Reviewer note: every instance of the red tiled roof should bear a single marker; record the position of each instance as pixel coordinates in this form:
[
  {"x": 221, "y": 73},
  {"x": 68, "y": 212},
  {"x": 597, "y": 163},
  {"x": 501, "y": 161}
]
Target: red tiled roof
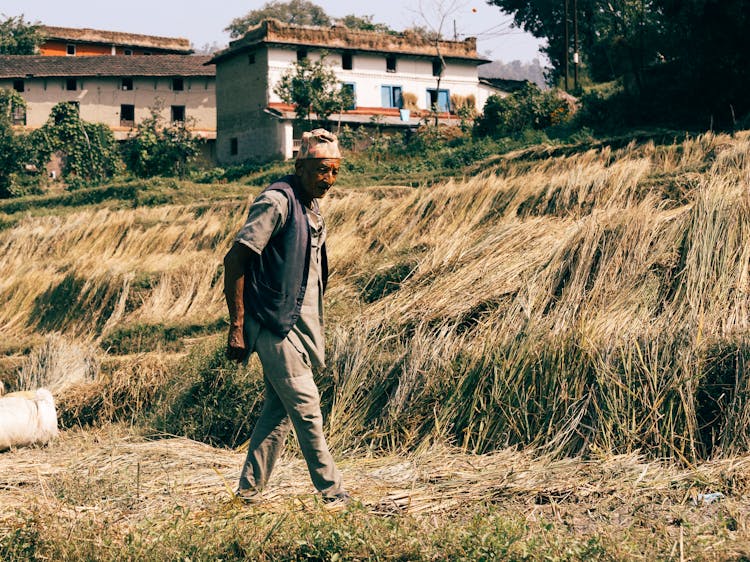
[{"x": 28, "y": 66}]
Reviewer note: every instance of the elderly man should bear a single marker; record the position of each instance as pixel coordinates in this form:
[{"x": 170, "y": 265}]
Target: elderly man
[{"x": 274, "y": 278}]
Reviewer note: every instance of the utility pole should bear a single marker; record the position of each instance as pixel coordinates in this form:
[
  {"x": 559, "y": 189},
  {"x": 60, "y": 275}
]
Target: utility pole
[
  {"x": 566, "y": 52},
  {"x": 575, "y": 44}
]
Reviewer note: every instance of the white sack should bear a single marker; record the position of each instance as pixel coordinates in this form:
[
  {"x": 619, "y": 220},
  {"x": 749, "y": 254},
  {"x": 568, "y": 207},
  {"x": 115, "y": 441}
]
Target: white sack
[{"x": 27, "y": 418}]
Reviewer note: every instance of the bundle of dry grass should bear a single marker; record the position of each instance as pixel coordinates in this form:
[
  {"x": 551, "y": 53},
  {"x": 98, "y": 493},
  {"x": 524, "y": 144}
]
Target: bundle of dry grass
[
  {"x": 123, "y": 393},
  {"x": 57, "y": 364}
]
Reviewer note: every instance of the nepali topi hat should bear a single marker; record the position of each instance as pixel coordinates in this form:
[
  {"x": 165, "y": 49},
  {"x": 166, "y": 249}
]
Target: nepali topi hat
[{"x": 318, "y": 143}]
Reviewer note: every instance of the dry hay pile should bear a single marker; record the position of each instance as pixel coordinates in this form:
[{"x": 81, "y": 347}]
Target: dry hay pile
[{"x": 125, "y": 479}]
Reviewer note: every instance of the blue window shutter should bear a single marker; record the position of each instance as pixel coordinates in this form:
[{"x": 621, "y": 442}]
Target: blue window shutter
[
  {"x": 444, "y": 100},
  {"x": 385, "y": 96}
]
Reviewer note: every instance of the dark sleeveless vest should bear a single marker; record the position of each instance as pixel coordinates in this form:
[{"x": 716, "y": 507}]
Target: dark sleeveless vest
[{"x": 275, "y": 283}]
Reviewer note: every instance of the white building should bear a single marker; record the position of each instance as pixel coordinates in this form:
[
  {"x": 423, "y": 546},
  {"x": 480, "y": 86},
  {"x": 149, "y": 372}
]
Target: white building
[{"x": 379, "y": 68}]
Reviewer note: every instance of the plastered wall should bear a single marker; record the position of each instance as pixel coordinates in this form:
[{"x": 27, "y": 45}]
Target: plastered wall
[{"x": 100, "y": 100}]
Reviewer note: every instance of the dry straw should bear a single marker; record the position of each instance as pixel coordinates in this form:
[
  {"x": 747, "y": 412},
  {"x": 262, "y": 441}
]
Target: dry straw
[{"x": 592, "y": 301}]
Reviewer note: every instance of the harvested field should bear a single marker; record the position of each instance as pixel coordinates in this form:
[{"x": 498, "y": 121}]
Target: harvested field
[
  {"x": 544, "y": 361},
  {"x": 117, "y": 480}
]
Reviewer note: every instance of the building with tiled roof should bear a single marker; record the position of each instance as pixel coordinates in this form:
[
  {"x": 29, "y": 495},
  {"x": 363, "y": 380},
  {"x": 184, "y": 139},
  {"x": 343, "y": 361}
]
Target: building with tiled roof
[
  {"x": 116, "y": 91},
  {"x": 378, "y": 68},
  {"x": 67, "y": 41}
]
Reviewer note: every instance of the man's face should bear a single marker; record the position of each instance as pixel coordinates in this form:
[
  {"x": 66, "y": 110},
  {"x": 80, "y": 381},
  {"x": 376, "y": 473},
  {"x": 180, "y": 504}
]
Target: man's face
[{"x": 317, "y": 175}]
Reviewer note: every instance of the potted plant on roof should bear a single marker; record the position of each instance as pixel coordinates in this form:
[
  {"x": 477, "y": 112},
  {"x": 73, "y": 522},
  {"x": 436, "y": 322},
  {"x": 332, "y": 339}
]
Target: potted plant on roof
[{"x": 408, "y": 104}]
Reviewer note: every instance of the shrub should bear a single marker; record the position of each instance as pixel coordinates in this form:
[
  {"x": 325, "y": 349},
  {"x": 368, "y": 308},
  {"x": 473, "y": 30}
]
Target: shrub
[
  {"x": 88, "y": 150},
  {"x": 604, "y": 110},
  {"x": 160, "y": 149},
  {"x": 15, "y": 150},
  {"x": 528, "y": 108},
  {"x": 469, "y": 153}
]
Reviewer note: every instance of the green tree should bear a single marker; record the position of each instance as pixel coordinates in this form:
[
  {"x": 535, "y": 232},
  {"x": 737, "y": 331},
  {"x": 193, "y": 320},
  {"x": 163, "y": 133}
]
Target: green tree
[
  {"x": 158, "y": 148},
  {"x": 313, "y": 88},
  {"x": 364, "y": 23},
  {"x": 298, "y": 12},
  {"x": 18, "y": 37},
  {"x": 681, "y": 62},
  {"x": 706, "y": 50},
  {"x": 89, "y": 150},
  {"x": 616, "y": 37}
]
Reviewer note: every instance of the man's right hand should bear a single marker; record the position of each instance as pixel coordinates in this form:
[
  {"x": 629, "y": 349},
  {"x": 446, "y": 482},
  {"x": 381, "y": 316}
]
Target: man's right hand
[{"x": 236, "y": 349}]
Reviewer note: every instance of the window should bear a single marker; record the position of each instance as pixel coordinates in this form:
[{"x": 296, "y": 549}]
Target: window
[
  {"x": 233, "y": 146},
  {"x": 346, "y": 61},
  {"x": 437, "y": 67},
  {"x": 19, "y": 115},
  {"x": 178, "y": 84},
  {"x": 301, "y": 54},
  {"x": 71, "y": 84},
  {"x": 18, "y": 86},
  {"x": 147, "y": 53},
  {"x": 127, "y": 115},
  {"x": 127, "y": 84},
  {"x": 350, "y": 88},
  {"x": 71, "y": 50},
  {"x": 391, "y": 96},
  {"x": 128, "y": 52},
  {"x": 390, "y": 63},
  {"x": 439, "y": 98},
  {"x": 178, "y": 113},
  {"x": 251, "y": 58}
]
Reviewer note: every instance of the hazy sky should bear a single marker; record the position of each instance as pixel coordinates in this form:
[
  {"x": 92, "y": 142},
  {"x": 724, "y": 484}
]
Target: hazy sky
[{"x": 204, "y": 21}]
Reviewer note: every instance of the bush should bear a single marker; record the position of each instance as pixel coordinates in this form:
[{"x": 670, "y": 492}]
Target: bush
[
  {"x": 15, "y": 150},
  {"x": 160, "y": 149},
  {"x": 527, "y": 109},
  {"x": 606, "y": 110},
  {"x": 469, "y": 153},
  {"x": 88, "y": 150}
]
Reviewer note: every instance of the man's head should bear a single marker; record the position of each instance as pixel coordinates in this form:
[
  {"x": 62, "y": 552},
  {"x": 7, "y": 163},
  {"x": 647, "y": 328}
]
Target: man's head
[{"x": 318, "y": 162}]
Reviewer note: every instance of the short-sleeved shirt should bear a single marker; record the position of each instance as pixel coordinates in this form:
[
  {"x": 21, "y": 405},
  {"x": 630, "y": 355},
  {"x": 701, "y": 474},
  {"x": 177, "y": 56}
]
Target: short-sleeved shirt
[{"x": 266, "y": 217}]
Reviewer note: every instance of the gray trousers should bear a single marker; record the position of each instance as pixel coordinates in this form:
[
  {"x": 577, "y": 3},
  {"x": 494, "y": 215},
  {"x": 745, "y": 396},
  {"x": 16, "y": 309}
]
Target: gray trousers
[{"x": 291, "y": 400}]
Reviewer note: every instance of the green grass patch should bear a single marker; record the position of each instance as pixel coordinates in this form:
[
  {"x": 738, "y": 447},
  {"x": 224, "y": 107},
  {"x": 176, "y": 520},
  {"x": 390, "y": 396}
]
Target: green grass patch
[
  {"x": 141, "y": 338},
  {"x": 475, "y": 532},
  {"x": 210, "y": 398}
]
